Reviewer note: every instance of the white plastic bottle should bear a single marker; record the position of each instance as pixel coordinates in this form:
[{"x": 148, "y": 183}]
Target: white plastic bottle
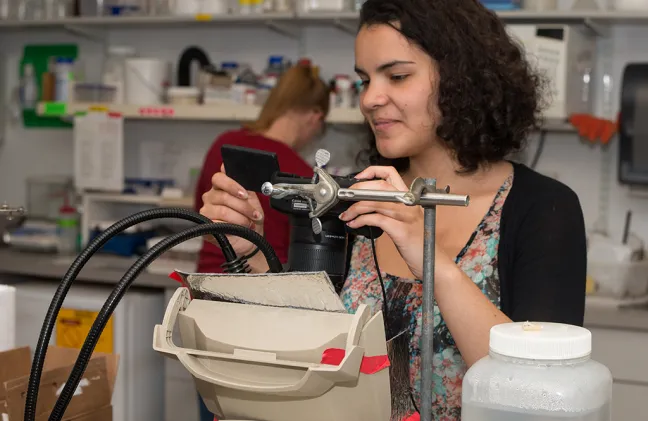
[
  {"x": 537, "y": 372},
  {"x": 64, "y": 77},
  {"x": 28, "y": 88},
  {"x": 68, "y": 230}
]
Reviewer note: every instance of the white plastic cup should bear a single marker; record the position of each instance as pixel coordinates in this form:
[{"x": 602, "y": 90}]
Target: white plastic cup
[{"x": 145, "y": 80}]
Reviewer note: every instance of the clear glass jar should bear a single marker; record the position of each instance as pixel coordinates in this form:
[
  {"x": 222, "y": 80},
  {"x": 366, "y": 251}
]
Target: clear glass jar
[
  {"x": 537, "y": 372},
  {"x": 114, "y": 72},
  {"x": 58, "y": 9},
  {"x": 27, "y": 10},
  {"x": 5, "y": 9}
]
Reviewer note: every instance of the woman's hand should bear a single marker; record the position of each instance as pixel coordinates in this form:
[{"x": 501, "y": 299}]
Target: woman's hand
[
  {"x": 403, "y": 224},
  {"x": 228, "y": 202}
]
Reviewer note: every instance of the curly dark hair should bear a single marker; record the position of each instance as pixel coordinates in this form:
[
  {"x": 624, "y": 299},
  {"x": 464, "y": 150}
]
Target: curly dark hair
[{"x": 489, "y": 97}]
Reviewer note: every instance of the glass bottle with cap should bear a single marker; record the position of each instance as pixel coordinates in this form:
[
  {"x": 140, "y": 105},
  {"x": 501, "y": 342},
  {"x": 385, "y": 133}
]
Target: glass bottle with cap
[{"x": 537, "y": 372}]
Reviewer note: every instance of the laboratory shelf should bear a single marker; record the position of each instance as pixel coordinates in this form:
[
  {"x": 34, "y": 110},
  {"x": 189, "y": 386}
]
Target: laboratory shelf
[
  {"x": 571, "y": 17},
  {"x": 284, "y": 21},
  {"x": 224, "y": 113},
  {"x": 149, "y": 21},
  {"x": 104, "y": 206},
  {"x": 229, "y": 112},
  {"x": 138, "y": 199}
]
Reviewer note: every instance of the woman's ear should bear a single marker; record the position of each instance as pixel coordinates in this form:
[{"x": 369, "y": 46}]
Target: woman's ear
[{"x": 317, "y": 116}]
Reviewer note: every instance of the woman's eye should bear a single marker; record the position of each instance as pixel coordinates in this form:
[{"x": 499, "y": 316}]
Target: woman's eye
[{"x": 398, "y": 78}]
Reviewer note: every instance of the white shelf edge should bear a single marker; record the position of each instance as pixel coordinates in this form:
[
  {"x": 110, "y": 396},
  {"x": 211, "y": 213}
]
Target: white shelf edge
[
  {"x": 233, "y": 112},
  {"x": 137, "y": 199},
  {"x": 558, "y": 16},
  {"x": 229, "y": 112},
  {"x": 121, "y": 21}
]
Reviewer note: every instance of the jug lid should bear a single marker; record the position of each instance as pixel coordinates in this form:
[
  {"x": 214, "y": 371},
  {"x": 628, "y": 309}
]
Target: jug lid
[{"x": 540, "y": 341}]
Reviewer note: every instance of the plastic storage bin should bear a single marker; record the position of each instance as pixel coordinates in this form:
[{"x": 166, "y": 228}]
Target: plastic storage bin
[
  {"x": 94, "y": 93},
  {"x": 619, "y": 279},
  {"x": 537, "y": 372}
]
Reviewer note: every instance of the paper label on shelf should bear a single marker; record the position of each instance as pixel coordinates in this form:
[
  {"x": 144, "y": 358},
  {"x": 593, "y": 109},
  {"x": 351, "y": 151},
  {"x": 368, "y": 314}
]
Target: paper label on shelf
[
  {"x": 157, "y": 111},
  {"x": 72, "y": 327},
  {"x": 99, "y": 152},
  {"x": 54, "y": 109}
]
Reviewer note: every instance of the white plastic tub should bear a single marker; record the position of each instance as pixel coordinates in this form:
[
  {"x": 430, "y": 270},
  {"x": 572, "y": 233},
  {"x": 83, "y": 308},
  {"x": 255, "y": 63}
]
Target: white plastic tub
[{"x": 619, "y": 280}]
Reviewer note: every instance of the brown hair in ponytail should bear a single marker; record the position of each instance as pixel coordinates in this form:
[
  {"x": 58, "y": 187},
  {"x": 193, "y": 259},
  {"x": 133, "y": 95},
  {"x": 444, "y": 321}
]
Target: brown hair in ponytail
[{"x": 298, "y": 89}]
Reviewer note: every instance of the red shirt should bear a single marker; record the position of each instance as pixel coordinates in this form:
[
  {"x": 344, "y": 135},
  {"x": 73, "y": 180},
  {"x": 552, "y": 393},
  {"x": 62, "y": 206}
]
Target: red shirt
[{"x": 276, "y": 225}]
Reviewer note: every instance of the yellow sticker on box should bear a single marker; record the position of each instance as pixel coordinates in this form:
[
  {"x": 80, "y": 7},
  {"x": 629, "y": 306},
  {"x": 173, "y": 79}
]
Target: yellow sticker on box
[{"x": 72, "y": 327}]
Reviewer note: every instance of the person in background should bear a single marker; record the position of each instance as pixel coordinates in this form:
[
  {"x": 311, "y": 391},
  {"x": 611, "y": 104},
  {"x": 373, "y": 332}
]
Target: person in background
[
  {"x": 449, "y": 95},
  {"x": 291, "y": 118}
]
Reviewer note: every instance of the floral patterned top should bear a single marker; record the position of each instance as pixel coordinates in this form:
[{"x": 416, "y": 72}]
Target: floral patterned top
[{"x": 478, "y": 260}]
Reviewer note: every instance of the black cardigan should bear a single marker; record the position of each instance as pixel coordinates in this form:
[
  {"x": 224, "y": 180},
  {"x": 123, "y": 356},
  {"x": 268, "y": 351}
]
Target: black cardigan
[
  {"x": 542, "y": 251},
  {"x": 542, "y": 256}
]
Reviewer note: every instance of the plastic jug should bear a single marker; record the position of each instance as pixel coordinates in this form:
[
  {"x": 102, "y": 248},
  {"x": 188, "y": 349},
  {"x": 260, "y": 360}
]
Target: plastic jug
[{"x": 537, "y": 372}]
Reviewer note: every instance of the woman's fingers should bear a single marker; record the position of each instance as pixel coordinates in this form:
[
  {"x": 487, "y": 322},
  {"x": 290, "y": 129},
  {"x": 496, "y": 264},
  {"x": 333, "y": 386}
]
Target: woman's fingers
[
  {"x": 391, "y": 210},
  {"x": 374, "y": 185},
  {"x": 216, "y": 199},
  {"x": 220, "y": 181},
  {"x": 387, "y": 224},
  {"x": 388, "y": 174},
  {"x": 225, "y": 214}
]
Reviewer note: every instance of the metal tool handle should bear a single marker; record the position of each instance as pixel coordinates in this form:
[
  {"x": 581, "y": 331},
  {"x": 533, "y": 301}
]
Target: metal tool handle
[
  {"x": 425, "y": 200},
  {"x": 10, "y": 212}
]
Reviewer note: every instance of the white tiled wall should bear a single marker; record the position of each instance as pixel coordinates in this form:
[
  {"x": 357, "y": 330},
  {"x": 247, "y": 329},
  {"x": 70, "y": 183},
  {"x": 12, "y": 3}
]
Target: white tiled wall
[{"x": 32, "y": 152}]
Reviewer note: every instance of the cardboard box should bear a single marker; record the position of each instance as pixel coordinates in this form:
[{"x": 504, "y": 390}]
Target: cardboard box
[{"x": 92, "y": 399}]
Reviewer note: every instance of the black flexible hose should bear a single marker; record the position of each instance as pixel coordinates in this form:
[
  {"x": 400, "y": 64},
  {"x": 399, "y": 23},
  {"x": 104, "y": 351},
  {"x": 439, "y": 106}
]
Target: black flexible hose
[
  {"x": 73, "y": 271},
  {"x": 115, "y": 297}
]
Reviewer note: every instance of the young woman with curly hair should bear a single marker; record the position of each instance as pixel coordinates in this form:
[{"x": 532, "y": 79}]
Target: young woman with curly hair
[{"x": 449, "y": 95}]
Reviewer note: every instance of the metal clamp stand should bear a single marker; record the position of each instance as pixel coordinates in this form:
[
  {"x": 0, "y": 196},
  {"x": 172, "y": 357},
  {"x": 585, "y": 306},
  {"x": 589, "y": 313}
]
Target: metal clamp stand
[
  {"x": 10, "y": 212},
  {"x": 326, "y": 193}
]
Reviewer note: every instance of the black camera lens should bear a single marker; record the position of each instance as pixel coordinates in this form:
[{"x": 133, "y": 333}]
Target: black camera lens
[{"x": 310, "y": 252}]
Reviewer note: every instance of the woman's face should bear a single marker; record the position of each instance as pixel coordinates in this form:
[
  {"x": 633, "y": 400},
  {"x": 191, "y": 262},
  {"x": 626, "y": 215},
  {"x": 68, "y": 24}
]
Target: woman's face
[{"x": 399, "y": 97}]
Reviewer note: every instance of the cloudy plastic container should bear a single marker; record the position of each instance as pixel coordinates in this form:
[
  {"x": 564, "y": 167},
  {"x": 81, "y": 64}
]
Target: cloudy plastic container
[{"x": 537, "y": 372}]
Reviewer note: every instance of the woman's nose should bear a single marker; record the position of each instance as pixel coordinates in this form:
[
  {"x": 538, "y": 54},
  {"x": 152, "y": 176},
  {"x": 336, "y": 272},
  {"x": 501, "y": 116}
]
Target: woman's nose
[{"x": 373, "y": 96}]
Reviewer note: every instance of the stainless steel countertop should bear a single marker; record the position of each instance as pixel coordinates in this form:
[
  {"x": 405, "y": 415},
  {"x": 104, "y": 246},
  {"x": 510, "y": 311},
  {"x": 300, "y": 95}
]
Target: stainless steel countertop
[
  {"x": 109, "y": 270},
  {"x": 103, "y": 269}
]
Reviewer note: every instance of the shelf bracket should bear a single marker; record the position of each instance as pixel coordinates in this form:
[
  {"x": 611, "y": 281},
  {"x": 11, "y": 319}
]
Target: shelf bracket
[
  {"x": 283, "y": 29},
  {"x": 86, "y": 34},
  {"x": 596, "y": 28},
  {"x": 349, "y": 28}
]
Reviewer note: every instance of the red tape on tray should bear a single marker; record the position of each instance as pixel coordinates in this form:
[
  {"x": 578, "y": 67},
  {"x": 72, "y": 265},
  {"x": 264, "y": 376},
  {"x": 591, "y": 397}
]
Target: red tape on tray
[
  {"x": 176, "y": 277},
  {"x": 369, "y": 365}
]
